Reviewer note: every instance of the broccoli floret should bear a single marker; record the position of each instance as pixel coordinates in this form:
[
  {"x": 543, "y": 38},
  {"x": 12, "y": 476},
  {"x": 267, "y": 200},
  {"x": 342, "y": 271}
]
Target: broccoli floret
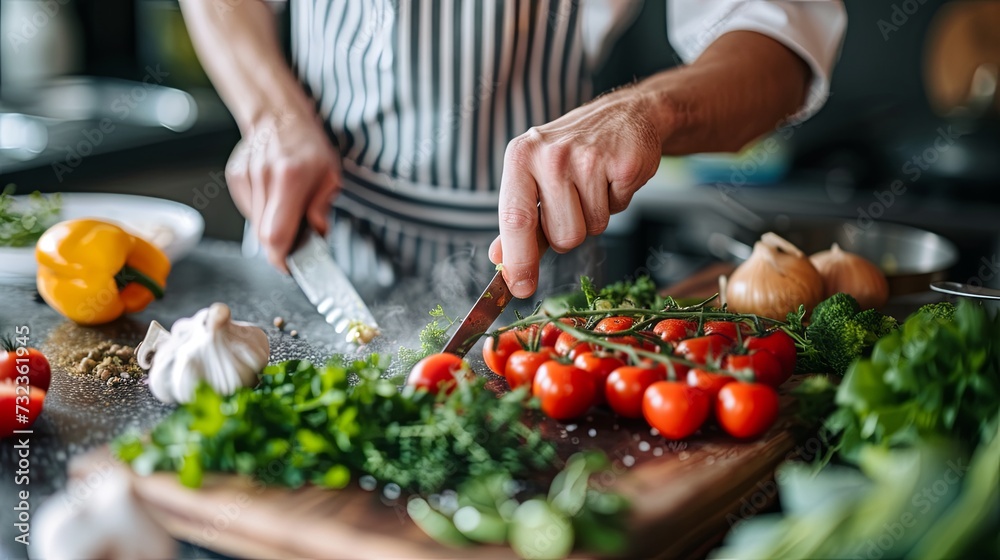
[
  {"x": 837, "y": 344},
  {"x": 941, "y": 310},
  {"x": 876, "y": 324},
  {"x": 836, "y": 308}
]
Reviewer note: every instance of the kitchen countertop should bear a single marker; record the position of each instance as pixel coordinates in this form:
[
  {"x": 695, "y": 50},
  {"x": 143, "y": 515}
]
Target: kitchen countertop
[{"x": 81, "y": 413}]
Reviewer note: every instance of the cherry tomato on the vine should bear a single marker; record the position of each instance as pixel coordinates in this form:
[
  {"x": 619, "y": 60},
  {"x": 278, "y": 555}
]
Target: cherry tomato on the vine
[
  {"x": 599, "y": 366},
  {"x": 568, "y": 345},
  {"x": 727, "y": 328},
  {"x": 704, "y": 349},
  {"x": 564, "y": 390},
  {"x": 496, "y": 350},
  {"x": 625, "y": 386},
  {"x": 550, "y": 332},
  {"x": 675, "y": 330},
  {"x": 709, "y": 382},
  {"x": 746, "y": 410},
  {"x": 523, "y": 364},
  {"x": 676, "y": 409},
  {"x": 765, "y": 367},
  {"x": 780, "y": 345},
  {"x": 438, "y": 372}
]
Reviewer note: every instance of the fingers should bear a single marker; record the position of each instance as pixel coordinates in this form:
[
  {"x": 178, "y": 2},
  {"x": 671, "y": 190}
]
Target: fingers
[
  {"x": 238, "y": 179},
  {"x": 318, "y": 210},
  {"x": 518, "y": 210},
  {"x": 289, "y": 196},
  {"x": 496, "y": 253},
  {"x": 562, "y": 214}
]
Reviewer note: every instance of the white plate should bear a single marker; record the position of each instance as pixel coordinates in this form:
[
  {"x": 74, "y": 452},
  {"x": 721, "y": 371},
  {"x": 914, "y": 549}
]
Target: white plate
[{"x": 169, "y": 225}]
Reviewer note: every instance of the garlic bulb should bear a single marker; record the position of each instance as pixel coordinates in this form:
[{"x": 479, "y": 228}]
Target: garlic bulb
[
  {"x": 852, "y": 274},
  {"x": 775, "y": 280},
  {"x": 98, "y": 516},
  {"x": 208, "y": 346}
]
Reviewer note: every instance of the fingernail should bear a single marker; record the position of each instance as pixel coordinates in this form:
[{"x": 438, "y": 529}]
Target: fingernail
[{"x": 522, "y": 287}]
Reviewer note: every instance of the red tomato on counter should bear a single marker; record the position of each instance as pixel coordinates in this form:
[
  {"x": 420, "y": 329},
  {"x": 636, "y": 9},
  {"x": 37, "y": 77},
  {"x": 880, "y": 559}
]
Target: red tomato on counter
[
  {"x": 599, "y": 366},
  {"x": 676, "y": 409},
  {"x": 746, "y": 410},
  {"x": 710, "y": 383},
  {"x": 550, "y": 332},
  {"x": 765, "y": 367},
  {"x": 726, "y": 328},
  {"x": 675, "y": 330},
  {"x": 438, "y": 372},
  {"x": 625, "y": 386},
  {"x": 704, "y": 349},
  {"x": 564, "y": 390},
  {"x": 779, "y": 344},
  {"x": 523, "y": 365},
  {"x": 570, "y": 346},
  {"x": 31, "y": 363},
  {"x": 497, "y": 350},
  {"x": 12, "y": 396}
]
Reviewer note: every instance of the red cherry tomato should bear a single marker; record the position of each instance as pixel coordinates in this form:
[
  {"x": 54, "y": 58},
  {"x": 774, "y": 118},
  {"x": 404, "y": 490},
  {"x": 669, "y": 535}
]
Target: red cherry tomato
[
  {"x": 523, "y": 364},
  {"x": 614, "y": 324},
  {"x": 746, "y": 410},
  {"x": 727, "y": 328},
  {"x": 625, "y": 386},
  {"x": 550, "y": 332},
  {"x": 31, "y": 363},
  {"x": 599, "y": 366},
  {"x": 765, "y": 367},
  {"x": 12, "y": 396},
  {"x": 563, "y": 389},
  {"x": 677, "y": 410},
  {"x": 497, "y": 350},
  {"x": 675, "y": 330},
  {"x": 710, "y": 383},
  {"x": 704, "y": 349},
  {"x": 437, "y": 372},
  {"x": 568, "y": 345},
  {"x": 780, "y": 345}
]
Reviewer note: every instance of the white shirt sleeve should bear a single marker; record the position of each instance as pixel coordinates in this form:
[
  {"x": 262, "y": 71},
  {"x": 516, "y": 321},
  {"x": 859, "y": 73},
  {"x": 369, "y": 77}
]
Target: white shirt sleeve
[{"x": 812, "y": 29}]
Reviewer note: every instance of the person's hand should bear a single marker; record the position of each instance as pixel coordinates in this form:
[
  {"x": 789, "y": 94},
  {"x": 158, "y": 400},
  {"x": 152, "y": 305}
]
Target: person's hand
[
  {"x": 567, "y": 177},
  {"x": 284, "y": 168}
]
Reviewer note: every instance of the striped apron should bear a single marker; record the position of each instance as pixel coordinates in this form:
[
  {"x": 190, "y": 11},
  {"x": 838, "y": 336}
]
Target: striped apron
[{"x": 421, "y": 98}]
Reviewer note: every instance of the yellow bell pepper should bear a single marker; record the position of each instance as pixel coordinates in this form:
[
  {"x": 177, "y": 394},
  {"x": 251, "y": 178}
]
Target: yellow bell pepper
[{"x": 92, "y": 272}]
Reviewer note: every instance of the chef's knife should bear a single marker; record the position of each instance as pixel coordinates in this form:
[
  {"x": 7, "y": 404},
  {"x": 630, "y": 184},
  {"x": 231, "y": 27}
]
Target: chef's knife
[
  {"x": 327, "y": 287},
  {"x": 488, "y": 307}
]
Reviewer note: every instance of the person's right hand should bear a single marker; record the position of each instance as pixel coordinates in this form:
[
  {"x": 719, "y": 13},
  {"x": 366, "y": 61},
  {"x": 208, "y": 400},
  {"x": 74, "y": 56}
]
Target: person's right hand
[{"x": 284, "y": 168}]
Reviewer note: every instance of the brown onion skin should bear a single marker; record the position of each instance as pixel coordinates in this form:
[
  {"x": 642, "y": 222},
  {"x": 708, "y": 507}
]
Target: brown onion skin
[
  {"x": 852, "y": 274},
  {"x": 772, "y": 283}
]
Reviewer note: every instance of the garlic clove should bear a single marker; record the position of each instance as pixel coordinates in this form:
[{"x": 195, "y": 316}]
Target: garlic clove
[
  {"x": 207, "y": 346},
  {"x": 774, "y": 281},
  {"x": 98, "y": 516},
  {"x": 843, "y": 271}
]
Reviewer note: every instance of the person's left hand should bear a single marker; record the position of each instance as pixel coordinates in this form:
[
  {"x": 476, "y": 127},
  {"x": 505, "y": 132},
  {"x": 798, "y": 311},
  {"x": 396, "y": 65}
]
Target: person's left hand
[{"x": 569, "y": 176}]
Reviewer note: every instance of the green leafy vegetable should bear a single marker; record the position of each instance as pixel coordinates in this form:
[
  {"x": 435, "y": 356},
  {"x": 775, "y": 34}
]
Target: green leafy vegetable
[
  {"x": 934, "y": 377},
  {"x": 22, "y": 223},
  {"x": 307, "y": 424}
]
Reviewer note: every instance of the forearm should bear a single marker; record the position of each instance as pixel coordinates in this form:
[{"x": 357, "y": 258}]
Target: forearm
[
  {"x": 239, "y": 50},
  {"x": 743, "y": 85}
]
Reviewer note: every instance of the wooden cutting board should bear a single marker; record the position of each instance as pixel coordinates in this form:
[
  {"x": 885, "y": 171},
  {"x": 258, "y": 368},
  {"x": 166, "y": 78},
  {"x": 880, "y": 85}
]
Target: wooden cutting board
[{"x": 684, "y": 496}]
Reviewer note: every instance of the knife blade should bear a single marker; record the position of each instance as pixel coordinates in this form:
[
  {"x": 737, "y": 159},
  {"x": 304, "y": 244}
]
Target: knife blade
[
  {"x": 328, "y": 288},
  {"x": 481, "y": 317}
]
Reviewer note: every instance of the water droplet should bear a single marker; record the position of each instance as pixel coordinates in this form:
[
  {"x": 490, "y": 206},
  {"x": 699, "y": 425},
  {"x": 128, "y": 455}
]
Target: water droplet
[
  {"x": 654, "y": 432},
  {"x": 570, "y": 427},
  {"x": 574, "y": 440},
  {"x": 368, "y": 482},
  {"x": 628, "y": 460},
  {"x": 635, "y": 437},
  {"x": 658, "y": 452},
  {"x": 592, "y": 432},
  {"x": 643, "y": 446},
  {"x": 391, "y": 491}
]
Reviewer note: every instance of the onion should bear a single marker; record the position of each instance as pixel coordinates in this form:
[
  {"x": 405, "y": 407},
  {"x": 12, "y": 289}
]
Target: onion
[
  {"x": 774, "y": 281},
  {"x": 852, "y": 274}
]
